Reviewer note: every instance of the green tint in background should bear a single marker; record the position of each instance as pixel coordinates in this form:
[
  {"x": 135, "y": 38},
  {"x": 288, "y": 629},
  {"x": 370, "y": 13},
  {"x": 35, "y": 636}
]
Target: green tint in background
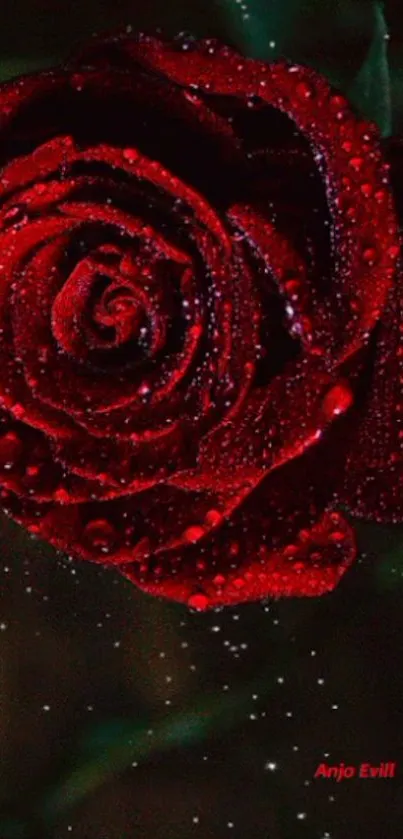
[{"x": 123, "y": 717}]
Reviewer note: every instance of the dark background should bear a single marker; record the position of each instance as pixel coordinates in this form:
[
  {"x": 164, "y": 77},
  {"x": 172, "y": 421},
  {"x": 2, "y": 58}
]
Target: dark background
[{"x": 123, "y": 717}]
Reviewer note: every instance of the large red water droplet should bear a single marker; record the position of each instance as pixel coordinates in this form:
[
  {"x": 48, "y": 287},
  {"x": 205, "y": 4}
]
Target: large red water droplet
[
  {"x": 10, "y": 449},
  {"x": 238, "y": 583},
  {"x": 198, "y": 601},
  {"x": 131, "y": 155},
  {"x": 193, "y": 534},
  {"x": 100, "y": 534},
  {"x": 213, "y": 518},
  {"x": 304, "y": 90},
  {"x": 337, "y": 401}
]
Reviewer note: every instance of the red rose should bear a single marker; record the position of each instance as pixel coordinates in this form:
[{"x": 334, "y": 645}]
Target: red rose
[{"x": 199, "y": 337}]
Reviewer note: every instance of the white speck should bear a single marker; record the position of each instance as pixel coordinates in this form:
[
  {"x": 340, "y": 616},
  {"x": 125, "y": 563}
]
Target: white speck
[{"x": 271, "y": 765}]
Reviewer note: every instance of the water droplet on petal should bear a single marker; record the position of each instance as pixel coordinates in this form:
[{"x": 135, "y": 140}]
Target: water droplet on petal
[
  {"x": 213, "y": 518},
  {"x": 193, "y": 534},
  {"x": 100, "y": 534},
  {"x": 198, "y": 601},
  {"x": 32, "y": 471},
  {"x": 293, "y": 288},
  {"x": 18, "y": 410},
  {"x": 290, "y": 551},
  {"x": 356, "y": 163},
  {"x": 304, "y": 90},
  {"x": 337, "y": 102},
  {"x": 10, "y": 449},
  {"x": 347, "y": 146},
  {"x": 62, "y": 496},
  {"x": 131, "y": 155},
  {"x": 337, "y": 401},
  {"x": 238, "y": 582},
  {"x": 337, "y": 536},
  {"x": 369, "y": 255},
  {"x": 367, "y": 190}
]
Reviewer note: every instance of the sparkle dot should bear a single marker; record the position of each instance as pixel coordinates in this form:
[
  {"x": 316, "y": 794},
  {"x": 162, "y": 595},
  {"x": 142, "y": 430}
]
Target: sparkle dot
[{"x": 271, "y": 765}]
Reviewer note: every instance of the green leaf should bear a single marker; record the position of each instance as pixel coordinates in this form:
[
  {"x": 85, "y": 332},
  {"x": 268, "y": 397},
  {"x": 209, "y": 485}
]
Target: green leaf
[
  {"x": 10, "y": 829},
  {"x": 370, "y": 91},
  {"x": 12, "y": 67},
  {"x": 260, "y": 28}
]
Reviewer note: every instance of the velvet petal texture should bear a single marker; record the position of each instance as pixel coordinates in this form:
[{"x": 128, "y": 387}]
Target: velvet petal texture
[{"x": 200, "y": 319}]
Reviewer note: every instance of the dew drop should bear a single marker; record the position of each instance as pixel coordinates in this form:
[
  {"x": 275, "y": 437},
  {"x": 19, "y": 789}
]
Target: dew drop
[
  {"x": 238, "y": 583},
  {"x": 356, "y": 163},
  {"x": 293, "y": 288},
  {"x": 32, "y": 471},
  {"x": 198, "y": 601},
  {"x": 337, "y": 401},
  {"x": 18, "y": 410},
  {"x": 337, "y": 536},
  {"x": 337, "y": 102},
  {"x": 304, "y": 90},
  {"x": 100, "y": 533},
  {"x": 369, "y": 255},
  {"x": 62, "y": 496},
  {"x": 10, "y": 449},
  {"x": 213, "y": 518},
  {"x": 193, "y": 534},
  {"x": 290, "y": 551},
  {"x": 131, "y": 155},
  {"x": 366, "y": 190},
  {"x": 144, "y": 389}
]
